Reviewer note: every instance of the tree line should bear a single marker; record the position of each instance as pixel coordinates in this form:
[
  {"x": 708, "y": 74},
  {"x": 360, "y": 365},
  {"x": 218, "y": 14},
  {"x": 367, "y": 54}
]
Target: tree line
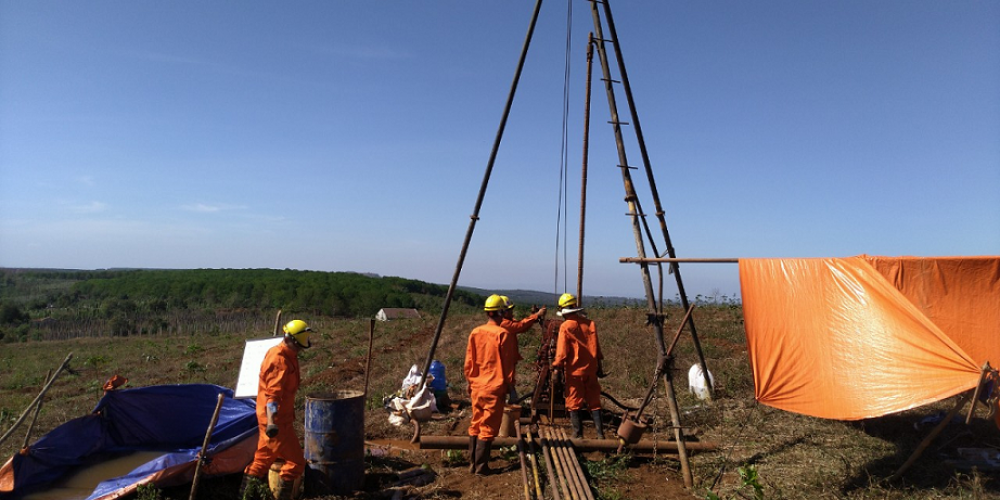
[{"x": 131, "y": 301}]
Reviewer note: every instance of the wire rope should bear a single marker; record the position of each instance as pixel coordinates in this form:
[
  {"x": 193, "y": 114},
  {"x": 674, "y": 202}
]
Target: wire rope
[{"x": 562, "y": 212}]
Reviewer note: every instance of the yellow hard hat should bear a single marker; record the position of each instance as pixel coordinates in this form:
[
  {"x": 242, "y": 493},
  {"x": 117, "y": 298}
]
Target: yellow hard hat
[
  {"x": 567, "y": 300},
  {"x": 299, "y": 330},
  {"x": 506, "y": 300},
  {"x": 495, "y": 303}
]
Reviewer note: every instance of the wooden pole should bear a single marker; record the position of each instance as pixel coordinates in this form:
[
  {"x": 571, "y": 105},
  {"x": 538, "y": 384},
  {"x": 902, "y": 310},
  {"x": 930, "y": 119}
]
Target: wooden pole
[
  {"x": 37, "y": 399},
  {"x": 38, "y": 409},
  {"x": 930, "y": 437},
  {"x": 979, "y": 388},
  {"x": 647, "y": 260},
  {"x": 277, "y": 324},
  {"x": 204, "y": 446},
  {"x": 368, "y": 364}
]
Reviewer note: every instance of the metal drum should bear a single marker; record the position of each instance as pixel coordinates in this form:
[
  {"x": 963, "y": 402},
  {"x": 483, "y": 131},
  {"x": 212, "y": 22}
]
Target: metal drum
[{"x": 335, "y": 442}]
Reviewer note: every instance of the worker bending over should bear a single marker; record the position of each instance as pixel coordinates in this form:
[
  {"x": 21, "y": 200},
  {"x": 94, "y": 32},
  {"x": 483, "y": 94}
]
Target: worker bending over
[
  {"x": 578, "y": 354},
  {"x": 488, "y": 383},
  {"x": 513, "y": 354},
  {"x": 276, "y": 388}
]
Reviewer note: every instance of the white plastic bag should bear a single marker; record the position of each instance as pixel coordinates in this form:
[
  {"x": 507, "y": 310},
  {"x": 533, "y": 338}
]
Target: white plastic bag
[{"x": 696, "y": 382}]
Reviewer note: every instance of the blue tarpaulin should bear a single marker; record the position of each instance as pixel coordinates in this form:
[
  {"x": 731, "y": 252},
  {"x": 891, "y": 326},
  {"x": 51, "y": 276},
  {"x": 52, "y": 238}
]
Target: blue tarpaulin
[{"x": 171, "y": 419}]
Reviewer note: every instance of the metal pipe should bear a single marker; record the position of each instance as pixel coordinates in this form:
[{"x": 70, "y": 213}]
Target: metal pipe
[
  {"x": 567, "y": 467},
  {"x": 556, "y": 461},
  {"x": 524, "y": 463},
  {"x": 534, "y": 464},
  {"x": 577, "y": 468},
  {"x": 549, "y": 465},
  {"x": 482, "y": 193},
  {"x": 584, "y": 445}
]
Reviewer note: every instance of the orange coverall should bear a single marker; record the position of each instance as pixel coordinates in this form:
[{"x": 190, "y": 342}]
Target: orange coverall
[
  {"x": 578, "y": 352},
  {"x": 488, "y": 380},
  {"x": 279, "y": 381},
  {"x": 512, "y": 354}
]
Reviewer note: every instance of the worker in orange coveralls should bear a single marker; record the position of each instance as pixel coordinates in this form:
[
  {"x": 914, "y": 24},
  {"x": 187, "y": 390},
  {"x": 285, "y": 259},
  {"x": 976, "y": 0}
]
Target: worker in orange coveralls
[
  {"x": 513, "y": 353},
  {"x": 578, "y": 353},
  {"x": 279, "y": 381},
  {"x": 488, "y": 383}
]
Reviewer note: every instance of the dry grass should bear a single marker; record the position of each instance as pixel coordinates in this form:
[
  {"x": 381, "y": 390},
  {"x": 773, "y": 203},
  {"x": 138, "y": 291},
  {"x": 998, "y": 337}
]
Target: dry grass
[{"x": 795, "y": 456}]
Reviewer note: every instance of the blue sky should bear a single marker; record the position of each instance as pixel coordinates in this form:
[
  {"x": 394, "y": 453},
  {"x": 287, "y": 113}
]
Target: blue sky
[{"x": 353, "y": 136}]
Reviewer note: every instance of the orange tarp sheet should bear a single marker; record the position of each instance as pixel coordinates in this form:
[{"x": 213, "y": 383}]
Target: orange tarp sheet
[{"x": 860, "y": 337}]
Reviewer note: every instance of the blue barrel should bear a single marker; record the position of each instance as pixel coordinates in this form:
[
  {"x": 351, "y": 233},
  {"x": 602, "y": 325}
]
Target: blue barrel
[
  {"x": 437, "y": 371},
  {"x": 335, "y": 443}
]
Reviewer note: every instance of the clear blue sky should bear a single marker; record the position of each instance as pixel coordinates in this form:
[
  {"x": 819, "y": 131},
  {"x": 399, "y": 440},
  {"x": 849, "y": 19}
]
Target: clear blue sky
[{"x": 353, "y": 136}]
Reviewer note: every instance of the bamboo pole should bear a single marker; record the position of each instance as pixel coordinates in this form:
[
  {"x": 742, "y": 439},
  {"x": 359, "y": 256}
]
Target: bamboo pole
[
  {"x": 37, "y": 399},
  {"x": 277, "y": 324},
  {"x": 204, "y": 446}
]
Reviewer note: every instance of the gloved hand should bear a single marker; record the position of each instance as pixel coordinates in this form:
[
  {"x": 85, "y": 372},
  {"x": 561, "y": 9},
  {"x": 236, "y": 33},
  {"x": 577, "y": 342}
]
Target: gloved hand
[
  {"x": 271, "y": 431},
  {"x": 541, "y": 313}
]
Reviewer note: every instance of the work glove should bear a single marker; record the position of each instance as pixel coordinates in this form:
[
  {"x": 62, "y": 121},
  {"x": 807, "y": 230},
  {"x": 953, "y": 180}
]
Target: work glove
[{"x": 271, "y": 431}]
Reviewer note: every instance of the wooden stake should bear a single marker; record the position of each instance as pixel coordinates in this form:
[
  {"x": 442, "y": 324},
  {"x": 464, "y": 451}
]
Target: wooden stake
[
  {"x": 930, "y": 437},
  {"x": 204, "y": 446},
  {"x": 37, "y": 399}
]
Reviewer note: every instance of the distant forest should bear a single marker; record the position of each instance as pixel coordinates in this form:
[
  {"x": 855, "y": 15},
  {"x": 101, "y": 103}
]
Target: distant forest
[{"x": 41, "y": 303}]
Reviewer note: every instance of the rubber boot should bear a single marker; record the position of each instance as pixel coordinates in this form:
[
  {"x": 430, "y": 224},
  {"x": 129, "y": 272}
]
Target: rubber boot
[
  {"x": 482, "y": 460},
  {"x": 574, "y": 418},
  {"x": 285, "y": 490},
  {"x": 251, "y": 487},
  {"x": 472, "y": 453},
  {"x": 598, "y": 423}
]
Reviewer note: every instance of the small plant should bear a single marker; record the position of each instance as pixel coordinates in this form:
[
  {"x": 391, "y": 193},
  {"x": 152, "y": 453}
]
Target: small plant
[
  {"x": 748, "y": 479},
  {"x": 95, "y": 361},
  {"x": 194, "y": 366},
  {"x": 193, "y": 349},
  {"x": 455, "y": 458},
  {"x": 148, "y": 492}
]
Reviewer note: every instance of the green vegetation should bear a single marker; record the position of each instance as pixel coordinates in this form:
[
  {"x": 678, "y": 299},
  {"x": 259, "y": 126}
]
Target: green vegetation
[{"x": 61, "y": 304}]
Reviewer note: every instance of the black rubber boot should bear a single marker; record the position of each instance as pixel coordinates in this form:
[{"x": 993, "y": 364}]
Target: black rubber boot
[
  {"x": 285, "y": 490},
  {"x": 598, "y": 423},
  {"x": 252, "y": 487},
  {"x": 574, "y": 418},
  {"x": 482, "y": 460},
  {"x": 472, "y": 453}
]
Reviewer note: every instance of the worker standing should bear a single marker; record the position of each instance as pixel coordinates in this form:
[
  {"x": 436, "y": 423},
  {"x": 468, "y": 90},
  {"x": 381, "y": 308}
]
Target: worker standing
[
  {"x": 488, "y": 383},
  {"x": 578, "y": 353},
  {"x": 278, "y": 383},
  {"x": 513, "y": 353}
]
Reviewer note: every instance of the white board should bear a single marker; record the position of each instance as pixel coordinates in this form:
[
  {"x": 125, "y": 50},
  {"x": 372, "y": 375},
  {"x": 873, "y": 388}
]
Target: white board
[{"x": 253, "y": 356}]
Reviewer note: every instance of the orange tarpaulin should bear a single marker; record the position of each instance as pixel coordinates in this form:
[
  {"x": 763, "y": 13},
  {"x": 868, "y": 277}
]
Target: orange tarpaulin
[{"x": 861, "y": 337}]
